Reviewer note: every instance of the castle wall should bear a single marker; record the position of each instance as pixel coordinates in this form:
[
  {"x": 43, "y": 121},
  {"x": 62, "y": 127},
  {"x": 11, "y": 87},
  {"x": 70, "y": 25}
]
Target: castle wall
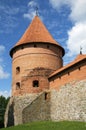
[
  {"x": 73, "y": 73},
  {"x": 27, "y": 108},
  {"x": 38, "y": 110},
  {"x": 69, "y": 103},
  {"x": 9, "y": 114},
  {"x": 20, "y": 103}
]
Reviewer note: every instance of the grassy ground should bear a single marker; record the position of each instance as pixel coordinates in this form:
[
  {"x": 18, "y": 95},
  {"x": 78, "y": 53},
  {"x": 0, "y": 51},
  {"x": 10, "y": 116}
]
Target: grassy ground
[{"x": 48, "y": 125}]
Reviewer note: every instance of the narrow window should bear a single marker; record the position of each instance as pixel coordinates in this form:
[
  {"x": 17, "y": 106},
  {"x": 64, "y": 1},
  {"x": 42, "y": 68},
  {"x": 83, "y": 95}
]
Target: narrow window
[
  {"x": 35, "y": 46},
  {"x": 79, "y": 68},
  {"x": 18, "y": 85},
  {"x": 22, "y": 47},
  {"x": 46, "y": 96},
  {"x": 35, "y": 83},
  {"x": 59, "y": 77},
  {"x": 68, "y": 73},
  {"x": 17, "y": 70},
  {"x": 48, "y": 46}
]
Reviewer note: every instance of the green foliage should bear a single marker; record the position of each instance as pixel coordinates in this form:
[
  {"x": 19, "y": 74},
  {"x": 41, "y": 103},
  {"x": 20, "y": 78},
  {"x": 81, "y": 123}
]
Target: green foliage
[
  {"x": 3, "y": 104},
  {"x": 48, "y": 125}
]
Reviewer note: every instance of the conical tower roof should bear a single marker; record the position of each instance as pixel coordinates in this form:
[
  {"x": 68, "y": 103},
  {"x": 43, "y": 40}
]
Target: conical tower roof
[{"x": 36, "y": 32}]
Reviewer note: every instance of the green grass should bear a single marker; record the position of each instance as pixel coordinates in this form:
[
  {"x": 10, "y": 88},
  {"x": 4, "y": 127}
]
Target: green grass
[{"x": 48, "y": 125}]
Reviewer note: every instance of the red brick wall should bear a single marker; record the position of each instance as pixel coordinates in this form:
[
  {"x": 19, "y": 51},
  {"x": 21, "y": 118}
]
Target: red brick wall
[
  {"x": 75, "y": 73},
  {"x": 45, "y": 55},
  {"x": 39, "y": 74}
]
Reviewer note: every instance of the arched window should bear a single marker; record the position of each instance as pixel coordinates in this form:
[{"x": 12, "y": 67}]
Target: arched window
[
  {"x": 35, "y": 83},
  {"x": 17, "y": 70},
  {"x": 18, "y": 85}
]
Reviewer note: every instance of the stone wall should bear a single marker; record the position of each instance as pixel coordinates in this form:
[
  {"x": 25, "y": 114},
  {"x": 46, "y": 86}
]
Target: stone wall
[
  {"x": 69, "y": 103},
  {"x": 38, "y": 110},
  {"x": 26, "y": 108},
  {"x": 13, "y": 114},
  {"x": 20, "y": 103},
  {"x": 9, "y": 114}
]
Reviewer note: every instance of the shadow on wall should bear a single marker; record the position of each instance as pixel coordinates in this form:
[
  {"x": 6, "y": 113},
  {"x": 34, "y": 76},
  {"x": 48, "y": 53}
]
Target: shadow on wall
[
  {"x": 38, "y": 110},
  {"x": 11, "y": 115}
]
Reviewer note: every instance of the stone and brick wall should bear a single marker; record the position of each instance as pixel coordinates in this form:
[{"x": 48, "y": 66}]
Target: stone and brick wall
[
  {"x": 69, "y": 103},
  {"x": 38, "y": 110},
  {"x": 27, "y": 108}
]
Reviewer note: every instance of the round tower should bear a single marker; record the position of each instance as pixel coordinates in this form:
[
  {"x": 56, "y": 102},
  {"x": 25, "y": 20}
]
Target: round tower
[{"x": 35, "y": 56}]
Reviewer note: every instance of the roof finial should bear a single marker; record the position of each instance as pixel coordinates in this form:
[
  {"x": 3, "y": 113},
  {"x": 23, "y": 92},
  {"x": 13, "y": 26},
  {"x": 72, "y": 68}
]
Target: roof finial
[
  {"x": 80, "y": 50},
  {"x": 36, "y": 11}
]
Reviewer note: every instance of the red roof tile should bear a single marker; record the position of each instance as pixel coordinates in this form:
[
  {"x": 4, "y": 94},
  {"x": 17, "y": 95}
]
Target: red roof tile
[{"x": 36, "y": 32}]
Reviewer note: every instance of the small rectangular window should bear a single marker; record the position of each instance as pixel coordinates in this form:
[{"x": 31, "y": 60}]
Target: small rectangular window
[
  {"x": 35, "y": 83},
  {"x": 18, "y": 85},
  {"x": 47, "y": 96},
  {"x": 48, "y": 46},
  {"x": 17, "y": 70},
  {"x": 35, "y": 45}
]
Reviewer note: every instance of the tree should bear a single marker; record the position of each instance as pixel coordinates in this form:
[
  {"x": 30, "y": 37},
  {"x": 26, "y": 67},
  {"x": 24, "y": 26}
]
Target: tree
[{"x": 3, "y": 104}]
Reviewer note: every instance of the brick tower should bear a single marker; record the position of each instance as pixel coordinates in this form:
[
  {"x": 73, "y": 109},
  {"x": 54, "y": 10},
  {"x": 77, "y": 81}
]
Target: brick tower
[
  {"x": 42, "y": 88},
  {"x": 34, "y": 56}
]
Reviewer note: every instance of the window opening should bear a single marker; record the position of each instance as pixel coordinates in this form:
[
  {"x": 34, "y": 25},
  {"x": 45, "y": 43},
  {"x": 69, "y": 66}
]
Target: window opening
[
  {"x": 47, "y": 96},
  {"x": 68, "y": 73},
  {"x": 18, "y": 85},
  {"x": 79, "y": 68},
  {"x": 22, "y": 47},
  {"x": 17, "y": 70},
  {"x": 35, "y": 46},
  {"x": 48, "y": 46},
  {"x": 35, "y": 83}
]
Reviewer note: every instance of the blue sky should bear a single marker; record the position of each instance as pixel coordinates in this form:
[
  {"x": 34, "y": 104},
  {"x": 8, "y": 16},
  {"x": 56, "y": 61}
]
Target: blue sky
[{"x": 65, "y": 20}]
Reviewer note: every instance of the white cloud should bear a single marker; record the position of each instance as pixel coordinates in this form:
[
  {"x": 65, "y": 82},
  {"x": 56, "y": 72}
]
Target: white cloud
[
  {"x": 77, "y": 39},
  {"x": 78, "y": 10},
  {"x": 32, "y": 4},
  {"x": 77, "y": 34},
  {"x": 8, "y": 18},
  {"x": 8, "y": 10},
  {"x": 30, "y": 15},
  {"x": 3, "y": 74},
  {"x": 31, "y": 10},
  {"x": 2, "y": 48},
  {"x": 5, "y": 93},
  {"x": 77, "y": 7},
  {"x": 56, "y": 4}
]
